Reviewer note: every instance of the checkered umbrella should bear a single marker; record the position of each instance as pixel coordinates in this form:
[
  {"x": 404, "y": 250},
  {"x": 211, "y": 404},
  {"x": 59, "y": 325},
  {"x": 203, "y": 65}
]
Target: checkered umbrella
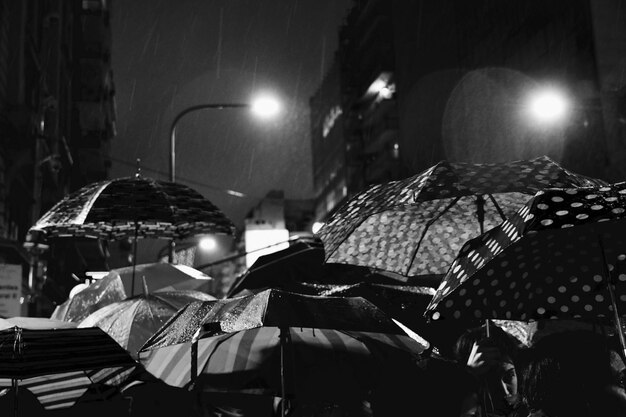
[
  {"x": 559, "y": 256},
  {"x": 58, "y": 362},
  {"x": 132, "y": 207},
  {"x": 417, "y": 225}
]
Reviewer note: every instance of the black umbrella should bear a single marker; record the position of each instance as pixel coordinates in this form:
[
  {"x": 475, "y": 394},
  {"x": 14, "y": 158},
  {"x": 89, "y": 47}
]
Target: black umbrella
[
  {"x": 257, "y": 333},
  {"x": 57, "y": 361}
]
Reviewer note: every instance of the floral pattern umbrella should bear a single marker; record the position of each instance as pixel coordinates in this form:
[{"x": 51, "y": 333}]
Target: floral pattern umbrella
[
  {"x": 416, "y": 226},
  {"x": 58, "y": 362},
  {"x": 553, "y": 259},
  {"x": 132, "y": 207}
]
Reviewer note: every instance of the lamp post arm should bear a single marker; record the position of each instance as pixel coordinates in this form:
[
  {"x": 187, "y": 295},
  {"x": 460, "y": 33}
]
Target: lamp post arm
[{"x": 179, "y": 116}]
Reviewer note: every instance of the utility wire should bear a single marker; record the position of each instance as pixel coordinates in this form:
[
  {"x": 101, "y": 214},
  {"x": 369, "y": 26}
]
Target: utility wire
[{"x": 232, "y": 193}]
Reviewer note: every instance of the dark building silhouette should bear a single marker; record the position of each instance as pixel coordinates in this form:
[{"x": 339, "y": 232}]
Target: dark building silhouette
[
  {"x": 57, "y": 116},
  {"x": 354, "y": 130},
  {"x": 461, "y": 75}
]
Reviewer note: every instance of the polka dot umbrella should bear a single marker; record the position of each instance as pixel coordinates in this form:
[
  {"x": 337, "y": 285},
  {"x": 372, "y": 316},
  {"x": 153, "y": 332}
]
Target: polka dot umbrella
[
  {"x": 559, "y": 257},
  {"x": 416, "y": 226}
]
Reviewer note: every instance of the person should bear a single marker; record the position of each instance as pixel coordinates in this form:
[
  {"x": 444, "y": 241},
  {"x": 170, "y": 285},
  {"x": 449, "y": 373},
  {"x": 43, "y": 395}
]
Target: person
[
  {"x": 573, "y": 374},
  {"x": 491, "y": 360}
]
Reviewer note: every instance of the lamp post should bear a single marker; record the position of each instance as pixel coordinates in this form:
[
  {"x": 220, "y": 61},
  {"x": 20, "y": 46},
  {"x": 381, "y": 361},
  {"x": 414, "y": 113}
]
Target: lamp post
[{"x": 263, "y": 106}]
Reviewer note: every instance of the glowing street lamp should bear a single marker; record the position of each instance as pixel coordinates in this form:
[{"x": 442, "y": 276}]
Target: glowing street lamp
[
  {"x": 263, "y": 107},
  {"x": 207, "y": 243},
  {"x": 548, "y": 106}
]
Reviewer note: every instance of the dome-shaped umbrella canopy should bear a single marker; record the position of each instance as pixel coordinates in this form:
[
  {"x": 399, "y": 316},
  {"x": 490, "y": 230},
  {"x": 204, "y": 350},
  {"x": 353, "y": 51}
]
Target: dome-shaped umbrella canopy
[
  {"x": 118, "y": 285},
  {"x": 132, "y": 206},
  {"x": 133, "y": 321}
]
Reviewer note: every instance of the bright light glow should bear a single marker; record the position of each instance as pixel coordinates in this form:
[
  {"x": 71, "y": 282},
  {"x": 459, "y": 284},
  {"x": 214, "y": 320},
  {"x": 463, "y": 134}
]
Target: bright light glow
[
  {"x": 207, "y": 243},
  {"x": 548, "y": 106},
  {"x": 385, "y": 92},
  {"x": 97, "y": 274},
  {"x": 263, "y": 242},
  {"x": 77, "y": 288},
  {"x": 266, "y": 107},
  {"x": 316, "y": 227}
]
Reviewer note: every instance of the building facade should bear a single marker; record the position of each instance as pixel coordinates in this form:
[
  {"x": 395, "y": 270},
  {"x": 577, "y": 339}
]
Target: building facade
[
  {"x": 417, "y": 82},
  {"x": 467, "y": 71},
  {"x": 354, "y": 124},
  {"x": 57, "y": 114}
]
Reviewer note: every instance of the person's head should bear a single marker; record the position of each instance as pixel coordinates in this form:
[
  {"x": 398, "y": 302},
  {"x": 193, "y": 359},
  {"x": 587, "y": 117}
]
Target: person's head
[
  {"x": 507, "y": 344},
  {"x": 564, "y": 372},
  {"x": 493, "y": 359}
]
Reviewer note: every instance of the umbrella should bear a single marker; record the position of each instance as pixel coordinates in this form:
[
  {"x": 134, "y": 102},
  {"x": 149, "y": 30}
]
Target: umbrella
[
  {"x": 137, "y": 207},
  {"x": 133, "y": 321},
  {"x": 301, "y": 266},
  {"x": 300, "y": 258},
  {"x": 117, "y": 285},
  {"x": 416, "y": 226},
  {"x": 257, "y": 333},
  {"x": 132, "y": 207},
  {"x": 558, "y": 257},
  {"x": 58, "y": 362}
]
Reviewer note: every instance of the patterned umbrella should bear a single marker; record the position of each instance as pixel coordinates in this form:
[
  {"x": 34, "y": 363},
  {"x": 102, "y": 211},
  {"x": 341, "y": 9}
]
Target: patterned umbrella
[
  {"x": 117, "y": 286},
  {"x": 417, "y": 225},
  {"x": 554, "y": 258},
  {"x": 133, "y": 321},
  {"x": 57, "y": 361},
  {"x": 132, "y": 207},
  {"x": 258, "y": 333}
]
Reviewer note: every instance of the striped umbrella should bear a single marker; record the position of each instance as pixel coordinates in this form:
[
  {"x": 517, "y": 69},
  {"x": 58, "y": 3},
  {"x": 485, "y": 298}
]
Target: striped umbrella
[
  {"x": 265, "y": 340},
  {"x": 58, "y": 362}
]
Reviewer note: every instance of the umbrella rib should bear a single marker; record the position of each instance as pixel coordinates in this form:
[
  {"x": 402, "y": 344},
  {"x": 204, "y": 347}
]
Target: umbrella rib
[
  {"x": 419, "y": 243},
  {"x": 497, "y": 206},
  {"x": 87, "y": 208}
]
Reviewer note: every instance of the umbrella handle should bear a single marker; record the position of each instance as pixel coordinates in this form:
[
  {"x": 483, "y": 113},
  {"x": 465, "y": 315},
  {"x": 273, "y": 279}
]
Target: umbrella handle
[
  {"x": 132, "y": 286},
  {"x": 609, "y": 281}
]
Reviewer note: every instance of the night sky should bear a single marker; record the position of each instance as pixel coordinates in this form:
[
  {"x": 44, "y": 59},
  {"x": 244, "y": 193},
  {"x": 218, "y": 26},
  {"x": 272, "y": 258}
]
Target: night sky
[{"x": 169, "y": 55}]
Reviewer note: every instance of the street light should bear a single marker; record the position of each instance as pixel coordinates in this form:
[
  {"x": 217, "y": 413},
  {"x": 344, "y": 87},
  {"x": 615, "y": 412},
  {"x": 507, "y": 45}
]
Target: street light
[
  {"x": 264, "y": 107},
  {"x": 548, "y": 106}
]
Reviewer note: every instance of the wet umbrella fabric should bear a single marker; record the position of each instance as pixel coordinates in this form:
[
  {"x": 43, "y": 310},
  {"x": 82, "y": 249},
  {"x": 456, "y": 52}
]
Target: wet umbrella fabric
[
  {"x": 417, "y": 225},
  {"x": 280, "y": 267},
  {"x": 550, "y": 260},
  {"x": 133, "y": 321},
  {"x": 117, "y": 284},
  {"x": 132, "y": 207},
  {"x": 58, "y": 362},
  {"x": 254, "y": 329}
]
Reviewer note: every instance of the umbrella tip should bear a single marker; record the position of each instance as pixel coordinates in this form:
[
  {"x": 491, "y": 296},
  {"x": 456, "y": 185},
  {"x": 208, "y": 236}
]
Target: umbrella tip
[{"x": 138, "y": 172}]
